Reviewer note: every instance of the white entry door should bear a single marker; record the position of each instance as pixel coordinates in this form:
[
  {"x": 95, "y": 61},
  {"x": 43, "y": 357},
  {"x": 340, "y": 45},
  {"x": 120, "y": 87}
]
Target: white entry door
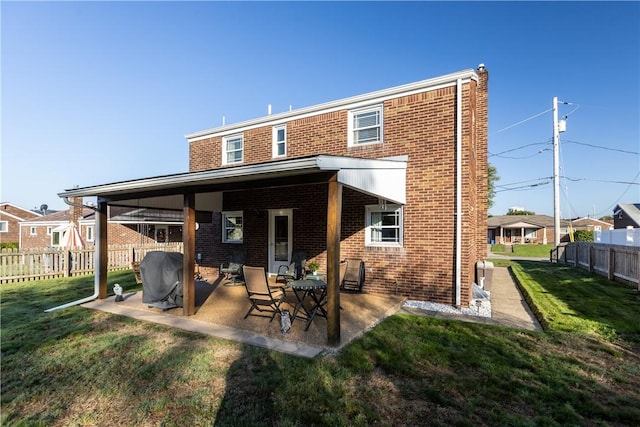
[{"x": 280, "y": 238}]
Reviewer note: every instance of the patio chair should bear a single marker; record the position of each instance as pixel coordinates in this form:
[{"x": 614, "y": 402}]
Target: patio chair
[
  {"x": 233, "y": 270},
  {"x": 353, "y": 278},
  {"x": 261, "y": 296},
  {"x": 293, "y": 271}
]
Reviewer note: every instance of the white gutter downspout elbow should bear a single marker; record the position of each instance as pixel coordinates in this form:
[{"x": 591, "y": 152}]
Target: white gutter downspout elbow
[
  {"x": 96, "y": 283},
  {"x": 458, "y": 188}
]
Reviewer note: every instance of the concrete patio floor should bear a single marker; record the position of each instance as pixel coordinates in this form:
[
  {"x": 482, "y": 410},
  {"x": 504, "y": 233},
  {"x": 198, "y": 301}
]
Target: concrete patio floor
[{"x": 220, "y": 311}]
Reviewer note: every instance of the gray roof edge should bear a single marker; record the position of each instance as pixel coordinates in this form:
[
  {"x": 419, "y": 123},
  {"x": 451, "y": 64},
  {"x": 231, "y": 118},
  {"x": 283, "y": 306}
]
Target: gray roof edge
[
  {"x": 310, "y": 164},
  {"x": 427, "y": 84}
]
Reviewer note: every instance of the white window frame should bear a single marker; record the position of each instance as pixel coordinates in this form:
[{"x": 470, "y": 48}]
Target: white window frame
[
  {"x": 226, "y": 151},
  {"x": 352, "y": 141},
  {"x": 33, "y": 231},
  {"x": 53, "y": 236},
  {"x": 530, "y": 233},
  {"x": 399, "y": 210},
  {"x": 49, "y": 230},
  {"x": 277, "y": 143},
  {"x": 90, "y": 233},
  {"x": 4, "y": 226},
  {"x": 232, "y": 214}
]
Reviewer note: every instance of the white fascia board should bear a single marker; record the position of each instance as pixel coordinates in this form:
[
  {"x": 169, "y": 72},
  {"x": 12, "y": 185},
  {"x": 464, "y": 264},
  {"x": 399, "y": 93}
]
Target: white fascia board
[
  {"x": 17, "y": 218},
  {"x": 21, "y": 208},
  {"x": 345, "y": 103}
]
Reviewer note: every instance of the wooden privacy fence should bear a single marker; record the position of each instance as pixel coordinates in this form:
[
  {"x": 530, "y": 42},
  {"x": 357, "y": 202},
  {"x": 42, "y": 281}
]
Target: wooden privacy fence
[
  {"x": 20, "y": 266},
  {"x": 617, "y": 262}
]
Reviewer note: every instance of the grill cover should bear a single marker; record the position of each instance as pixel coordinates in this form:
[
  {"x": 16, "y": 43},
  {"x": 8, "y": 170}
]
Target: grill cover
[{"x": 162, "y": 279}]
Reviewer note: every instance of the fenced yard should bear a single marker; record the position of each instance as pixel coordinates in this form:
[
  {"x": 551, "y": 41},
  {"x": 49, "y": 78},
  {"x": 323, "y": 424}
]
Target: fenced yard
[
  {"x": 21, "y": 266},
  {"x": 616, "y": 262}
]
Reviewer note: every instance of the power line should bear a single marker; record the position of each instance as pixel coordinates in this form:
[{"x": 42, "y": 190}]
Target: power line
[
  {"x": 601, "y": 147},
  {"x": 525, "y": 120},
  {"x": 519, "y": 148}
]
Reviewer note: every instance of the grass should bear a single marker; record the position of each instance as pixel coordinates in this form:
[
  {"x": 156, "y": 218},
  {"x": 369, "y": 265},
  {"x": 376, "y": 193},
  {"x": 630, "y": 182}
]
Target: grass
[
  {"x": 535, "y": 251},
  {"x": 83, "y": 367}
]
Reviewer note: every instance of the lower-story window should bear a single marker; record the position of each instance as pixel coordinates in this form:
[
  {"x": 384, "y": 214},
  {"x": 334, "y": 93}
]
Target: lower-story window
[
  {"x": 384, "y": 225},
  {"x": 232, "y": 227}
]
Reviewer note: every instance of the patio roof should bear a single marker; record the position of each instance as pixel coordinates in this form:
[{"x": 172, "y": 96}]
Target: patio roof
[{"x": 383, "y": 178}]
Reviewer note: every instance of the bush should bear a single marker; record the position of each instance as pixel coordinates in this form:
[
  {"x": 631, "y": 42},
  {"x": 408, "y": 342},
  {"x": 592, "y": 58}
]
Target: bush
[
  {"x": 583, "y": 236},
  {"x": 9, "y": 245}
]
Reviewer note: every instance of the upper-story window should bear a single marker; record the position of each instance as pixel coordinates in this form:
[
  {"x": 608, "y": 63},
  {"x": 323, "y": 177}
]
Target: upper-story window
[
  {"x": 49, "y": 231},
  {"x": 365, "y": 126},
  {"x": 33, "y": 231},
  {"x": 90, "y": 234},
  {"x": 232, "y": 149},
  {"x": 4, "y": 226},
  {"x": 280, "y": 141}
]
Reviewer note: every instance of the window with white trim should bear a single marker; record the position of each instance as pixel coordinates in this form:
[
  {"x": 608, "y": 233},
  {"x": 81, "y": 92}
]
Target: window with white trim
[
  {"x": 280, "y": 141},
  {"x": 530, "y": 233},
  {"x": 55, "y": 238},
  {"x": 49, "y": 230},
  {"x": 232, "y": 149},
  {"x": 232, "y": 227},
  {"x": 384, "y": 225},
  {"x": 33, "y": 231},
  {"x": 89, "y": 233},
  {"x": 365, "y": 126},
  {"x": 4, "y": 226}
]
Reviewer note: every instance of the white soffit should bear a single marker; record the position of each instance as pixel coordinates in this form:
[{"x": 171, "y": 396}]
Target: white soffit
[{"x": 522, "y": 225}]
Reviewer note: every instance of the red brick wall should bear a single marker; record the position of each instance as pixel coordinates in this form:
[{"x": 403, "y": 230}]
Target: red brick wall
[
  {"x": 9, "y": 213},
  {"x": 422, "y": 126}
]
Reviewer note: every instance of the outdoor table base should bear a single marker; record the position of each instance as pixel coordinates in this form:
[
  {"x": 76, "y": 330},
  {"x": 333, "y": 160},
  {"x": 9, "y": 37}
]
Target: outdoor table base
[{"x": 305, "y": 290}]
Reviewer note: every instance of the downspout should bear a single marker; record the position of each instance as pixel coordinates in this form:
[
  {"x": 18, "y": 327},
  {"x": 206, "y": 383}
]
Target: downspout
[
  {"x": 96, "y": 283},
  {"x": 458, "y": 188}
]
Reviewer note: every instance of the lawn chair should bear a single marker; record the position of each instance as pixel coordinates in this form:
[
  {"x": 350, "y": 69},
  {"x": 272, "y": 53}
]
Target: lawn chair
[
  {"x": 233, "y": 270},
  {"x": 353, "y": 278},
  {"x": 293, "y": 271},
  {"x": 261, "y": 296}
]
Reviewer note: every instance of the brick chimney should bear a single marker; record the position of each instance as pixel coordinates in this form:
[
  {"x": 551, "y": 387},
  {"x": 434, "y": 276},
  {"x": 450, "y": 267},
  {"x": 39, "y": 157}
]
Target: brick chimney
[{"x": 75, "y": 210}]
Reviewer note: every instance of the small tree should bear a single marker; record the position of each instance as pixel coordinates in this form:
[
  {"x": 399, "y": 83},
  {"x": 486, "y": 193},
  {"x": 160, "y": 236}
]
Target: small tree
[
  {"x": 520, "y": 212},
  {"x": 583, "y": 236}
]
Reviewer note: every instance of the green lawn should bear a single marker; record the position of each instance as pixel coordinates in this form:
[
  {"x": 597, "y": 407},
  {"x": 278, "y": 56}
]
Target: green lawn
[
  {"x": 83, "y": 367},
  {"x": 524, "y": 250}
]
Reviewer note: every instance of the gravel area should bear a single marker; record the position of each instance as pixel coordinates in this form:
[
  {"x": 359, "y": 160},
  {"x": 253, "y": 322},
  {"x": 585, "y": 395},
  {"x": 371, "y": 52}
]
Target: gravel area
[{"x": 478, "y": 307}]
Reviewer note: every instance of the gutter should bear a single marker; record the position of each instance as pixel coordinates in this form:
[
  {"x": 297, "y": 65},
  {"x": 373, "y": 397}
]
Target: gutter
[
  {"x": 458, "y": 188},
  {"x": 96, "y": 283}
]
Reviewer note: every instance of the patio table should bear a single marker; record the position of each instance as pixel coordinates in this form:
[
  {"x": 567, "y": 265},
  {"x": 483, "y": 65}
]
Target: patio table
[{"x": 306, "y": 290}]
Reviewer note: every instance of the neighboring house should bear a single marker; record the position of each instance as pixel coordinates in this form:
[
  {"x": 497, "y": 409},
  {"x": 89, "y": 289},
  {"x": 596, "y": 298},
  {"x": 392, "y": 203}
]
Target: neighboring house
[
  {"x": 522, "y": 229},
  {"x": 396, "y": 177},
  {"x": 10, "y": 218},
  {"x": 626, "y": 215},
  {"x": 591, "y": 224},
  {"x": 126, "y": 226}
]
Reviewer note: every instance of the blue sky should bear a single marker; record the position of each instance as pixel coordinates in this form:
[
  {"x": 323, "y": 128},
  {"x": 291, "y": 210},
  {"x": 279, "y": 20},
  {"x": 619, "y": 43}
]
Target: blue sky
[{"x": 100, "y": 92}]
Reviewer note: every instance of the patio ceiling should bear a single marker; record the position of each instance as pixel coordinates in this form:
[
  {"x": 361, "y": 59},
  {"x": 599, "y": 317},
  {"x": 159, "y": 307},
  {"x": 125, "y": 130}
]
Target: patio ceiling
[{"x": 383, "y": 178}]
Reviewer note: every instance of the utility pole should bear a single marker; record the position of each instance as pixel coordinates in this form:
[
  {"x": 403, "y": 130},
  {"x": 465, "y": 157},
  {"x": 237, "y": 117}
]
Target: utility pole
[
  {"x": 558, "y": 126},
  {"x": 556, "y": 182}
]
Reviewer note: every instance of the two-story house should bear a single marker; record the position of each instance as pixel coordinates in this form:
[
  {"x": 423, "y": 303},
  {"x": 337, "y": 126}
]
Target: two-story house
[{"x": 396, "y": 177}]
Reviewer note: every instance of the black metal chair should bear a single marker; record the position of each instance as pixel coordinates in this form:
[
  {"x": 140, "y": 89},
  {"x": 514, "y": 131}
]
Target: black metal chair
[
  {"x": 233, "y": 270},
  {"x": 293, "y": 271}
]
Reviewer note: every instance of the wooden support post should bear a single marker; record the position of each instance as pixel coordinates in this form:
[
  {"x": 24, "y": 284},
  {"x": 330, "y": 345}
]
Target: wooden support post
[
  {"x": 188, "y": 268},
  {"x": 334, "y": 221},
  {"x": 101, "y": 248}
]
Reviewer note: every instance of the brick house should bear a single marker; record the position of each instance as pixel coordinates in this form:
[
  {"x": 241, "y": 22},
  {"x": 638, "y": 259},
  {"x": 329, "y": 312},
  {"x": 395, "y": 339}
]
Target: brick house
[
  {"x": 396, "y": 177},
  {"x": 523, "y": 229},
  {"x": 10, "y": 217},
  {"x": 126, "y": 226}
]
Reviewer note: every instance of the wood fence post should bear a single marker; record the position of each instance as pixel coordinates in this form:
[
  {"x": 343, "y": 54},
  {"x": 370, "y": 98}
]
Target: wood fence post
[
  {"x": 612, "y": 263},
  {"x": 591, "y": 255}
]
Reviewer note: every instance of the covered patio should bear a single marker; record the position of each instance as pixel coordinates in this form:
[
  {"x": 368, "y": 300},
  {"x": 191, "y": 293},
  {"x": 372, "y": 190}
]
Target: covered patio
[
  {"x": 197, "y": 193},
  {"x": 220, "y": 310}
]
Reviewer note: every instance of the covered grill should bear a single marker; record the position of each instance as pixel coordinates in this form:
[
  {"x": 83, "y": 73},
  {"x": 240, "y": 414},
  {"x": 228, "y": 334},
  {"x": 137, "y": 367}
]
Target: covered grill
[{"x": 162, "y": 279}]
